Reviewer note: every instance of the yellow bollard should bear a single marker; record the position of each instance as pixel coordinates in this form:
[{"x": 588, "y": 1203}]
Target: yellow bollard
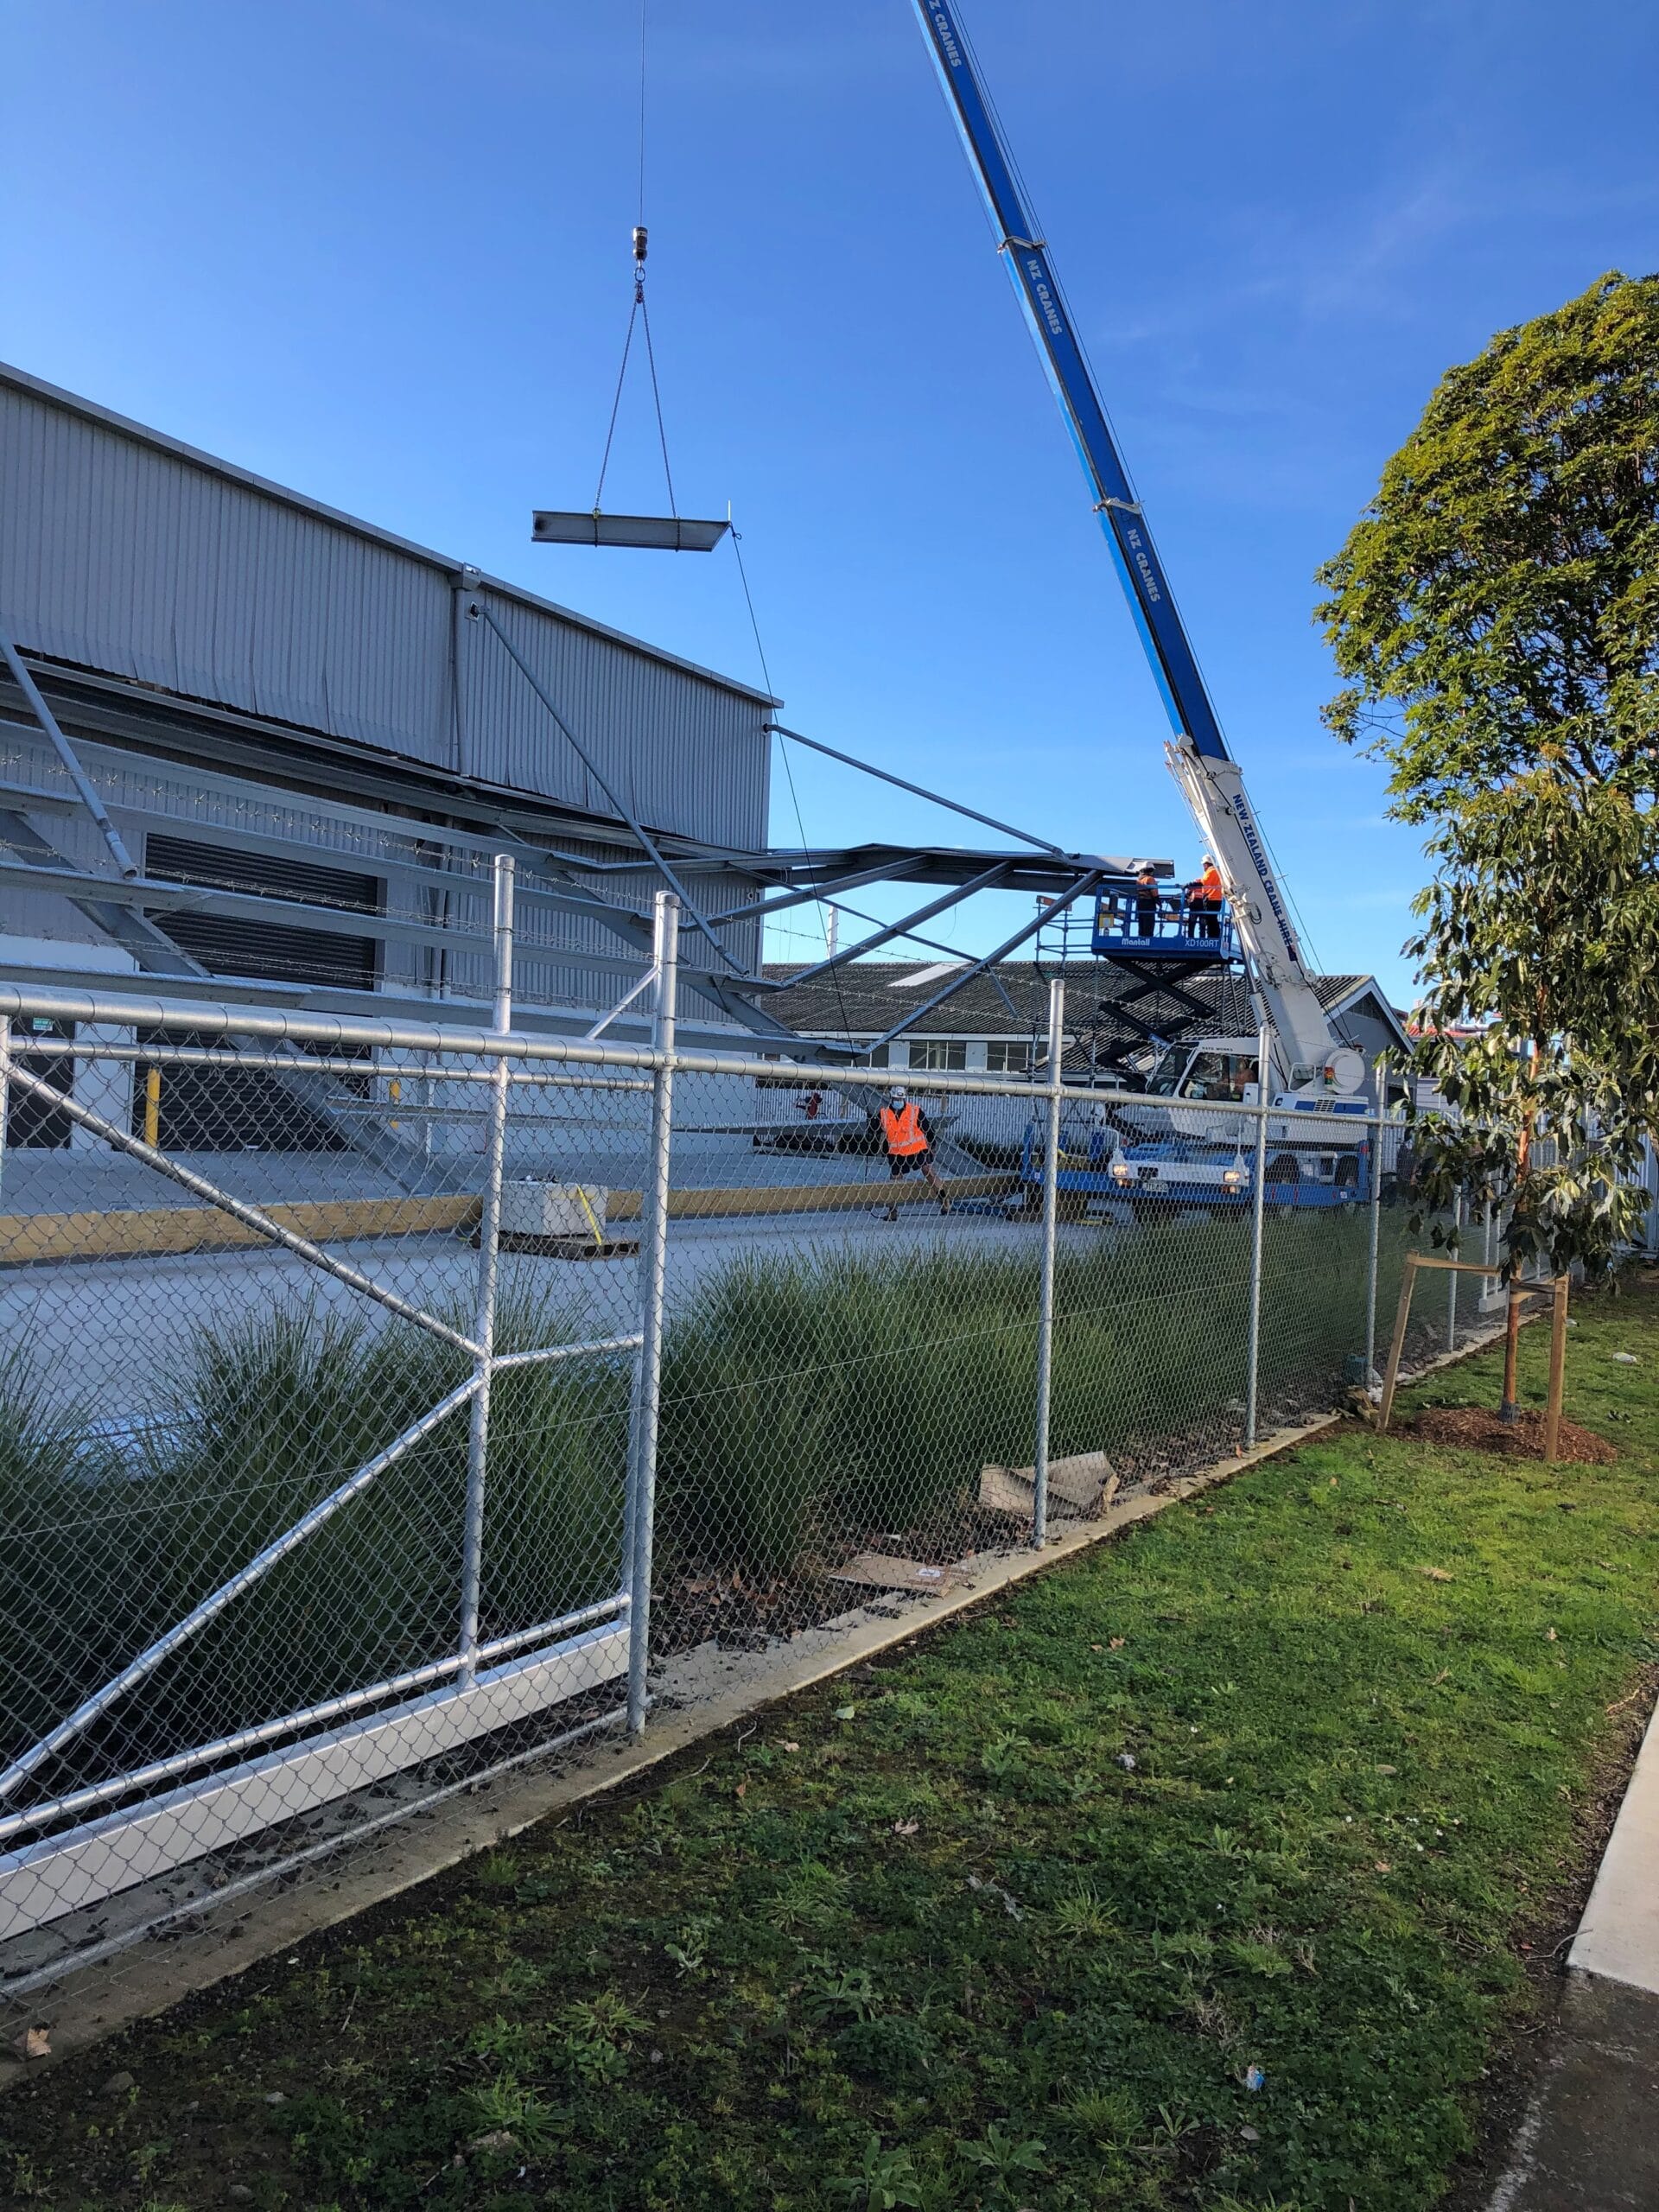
[{"x": 153, "y": 1107}]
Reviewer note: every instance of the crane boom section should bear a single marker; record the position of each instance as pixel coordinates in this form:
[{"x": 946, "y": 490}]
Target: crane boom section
[
  {"x": 1185, "y": 700},
  {"x": 1206, "y": 771}
]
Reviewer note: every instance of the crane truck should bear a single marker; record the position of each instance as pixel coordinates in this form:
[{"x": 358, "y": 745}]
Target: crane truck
[{"x": 1317, "y": 1149}]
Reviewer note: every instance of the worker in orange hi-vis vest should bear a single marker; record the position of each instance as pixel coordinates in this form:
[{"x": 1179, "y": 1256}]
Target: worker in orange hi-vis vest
[
  {"x": 908, "y": 1136},
  {"x": 1204, "y": 899}
]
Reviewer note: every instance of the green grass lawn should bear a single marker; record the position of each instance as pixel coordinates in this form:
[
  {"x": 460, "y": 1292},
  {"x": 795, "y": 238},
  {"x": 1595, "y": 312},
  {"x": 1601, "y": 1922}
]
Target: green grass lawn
[{"x": 1194, "y": 1873}]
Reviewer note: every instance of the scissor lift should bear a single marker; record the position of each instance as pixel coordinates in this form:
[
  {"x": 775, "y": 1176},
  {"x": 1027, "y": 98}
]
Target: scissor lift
[{"x": 1161, "y": 950}]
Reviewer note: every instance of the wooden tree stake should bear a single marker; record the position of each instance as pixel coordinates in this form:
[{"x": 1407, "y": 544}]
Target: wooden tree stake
[
  {"x": 1403, "y": 1315},
  {"x": 1557, "y": 1371}
]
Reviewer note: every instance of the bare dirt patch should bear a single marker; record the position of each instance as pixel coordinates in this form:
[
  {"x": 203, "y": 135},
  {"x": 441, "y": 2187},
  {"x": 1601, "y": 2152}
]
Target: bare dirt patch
[{"x": 1478, "y": 1428}]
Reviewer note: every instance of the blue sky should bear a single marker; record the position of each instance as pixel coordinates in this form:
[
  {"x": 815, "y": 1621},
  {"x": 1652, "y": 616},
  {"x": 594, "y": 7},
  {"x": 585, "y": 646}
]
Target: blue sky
[{"x": 379, "y": 250}]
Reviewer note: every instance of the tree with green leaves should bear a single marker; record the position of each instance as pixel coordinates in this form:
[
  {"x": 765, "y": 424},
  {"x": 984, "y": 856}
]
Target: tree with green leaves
[{"x": 1495, "y": 617}]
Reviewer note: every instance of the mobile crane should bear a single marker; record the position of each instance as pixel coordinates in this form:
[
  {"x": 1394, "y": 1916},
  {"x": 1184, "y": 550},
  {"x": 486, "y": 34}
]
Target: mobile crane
[{"x": 1318, "y": 1160}]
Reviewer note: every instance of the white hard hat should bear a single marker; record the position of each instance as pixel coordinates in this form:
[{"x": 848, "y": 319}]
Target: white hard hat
[{"x": 895, "y": 1090}]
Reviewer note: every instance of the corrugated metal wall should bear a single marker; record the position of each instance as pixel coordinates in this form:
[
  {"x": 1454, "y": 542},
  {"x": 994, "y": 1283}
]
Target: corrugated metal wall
[
  {"x": 122, "y": 553},
  {"x": 682, "y": 754},
  {"x": 137, "y": 791}
]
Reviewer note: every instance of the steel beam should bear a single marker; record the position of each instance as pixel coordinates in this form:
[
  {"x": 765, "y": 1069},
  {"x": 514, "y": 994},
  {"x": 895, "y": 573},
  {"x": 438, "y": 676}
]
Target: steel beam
[
  {"x": 919, "y": 791},
  {"x": 1009, "y": 944}
]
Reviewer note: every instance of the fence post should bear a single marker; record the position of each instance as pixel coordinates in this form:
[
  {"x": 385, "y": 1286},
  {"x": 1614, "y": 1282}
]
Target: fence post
[
  {"x": 1045, "y": 1295},
  {"x": 5, "y": 1087},
  {"x": 640, "y": 1516},
  {"x": 1258, "y": 1228},
  {"x": 1377, "y": 1128},
  {"x": 1451, "y": 1294},
  {"x": 489, "y": 1239}
]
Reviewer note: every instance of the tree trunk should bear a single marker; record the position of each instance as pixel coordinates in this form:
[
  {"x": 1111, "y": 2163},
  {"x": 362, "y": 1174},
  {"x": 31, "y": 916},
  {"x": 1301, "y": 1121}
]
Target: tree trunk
[{"x": 1506, "y": 1410}]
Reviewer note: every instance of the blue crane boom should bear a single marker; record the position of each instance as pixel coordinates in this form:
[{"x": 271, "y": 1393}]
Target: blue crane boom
[
  {"x": 1198, "y": 755},
  {"x": 1026, "y": 255}
]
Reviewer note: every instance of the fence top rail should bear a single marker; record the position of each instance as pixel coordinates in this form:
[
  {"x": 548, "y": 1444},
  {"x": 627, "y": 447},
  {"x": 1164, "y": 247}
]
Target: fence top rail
[
  {"x": 351, "y": 1064},
  {"x": 324, "y": 1032}
]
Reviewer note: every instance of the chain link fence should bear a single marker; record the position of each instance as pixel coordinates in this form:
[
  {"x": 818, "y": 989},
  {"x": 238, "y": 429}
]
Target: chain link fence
[{"x": 384, "y": 1408}]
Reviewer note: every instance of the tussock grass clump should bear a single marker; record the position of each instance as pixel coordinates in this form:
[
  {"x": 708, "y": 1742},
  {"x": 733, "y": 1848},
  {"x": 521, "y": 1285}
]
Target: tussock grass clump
[
  {"x": 810, "y": 1404},
  {"x": 72, "y": 1582},
  {"x": 1197, "y": 1873},
  {"x": 262, "y": 1418},
  {"x": 839, "y": 1395}
]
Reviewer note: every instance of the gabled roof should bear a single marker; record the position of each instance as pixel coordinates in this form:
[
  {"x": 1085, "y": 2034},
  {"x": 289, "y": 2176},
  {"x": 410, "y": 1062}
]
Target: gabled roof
[{"x": 867, "y": 997}]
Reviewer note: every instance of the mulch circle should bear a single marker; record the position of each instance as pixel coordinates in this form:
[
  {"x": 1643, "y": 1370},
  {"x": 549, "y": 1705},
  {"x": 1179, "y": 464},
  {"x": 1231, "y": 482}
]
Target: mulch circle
[{"x": 1478, "y": 1428}]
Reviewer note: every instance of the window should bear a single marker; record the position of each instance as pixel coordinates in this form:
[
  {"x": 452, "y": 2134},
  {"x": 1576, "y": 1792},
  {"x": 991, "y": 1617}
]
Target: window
[
  {"x": 30, "y": 1120},
  {"x": 1008, "y": 1056},
  {"x": 1219, "y": 1075},
  {"x": 221, "y": 1109},
  {"x": 938, "y": 1055}
]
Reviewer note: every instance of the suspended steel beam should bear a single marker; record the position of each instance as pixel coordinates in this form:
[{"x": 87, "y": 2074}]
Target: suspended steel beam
[{"x": 656, "y": 533}]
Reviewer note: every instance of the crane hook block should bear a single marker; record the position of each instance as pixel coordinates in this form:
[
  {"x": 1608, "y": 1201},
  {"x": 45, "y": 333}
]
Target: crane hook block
[{"x": 638, "y": 241}]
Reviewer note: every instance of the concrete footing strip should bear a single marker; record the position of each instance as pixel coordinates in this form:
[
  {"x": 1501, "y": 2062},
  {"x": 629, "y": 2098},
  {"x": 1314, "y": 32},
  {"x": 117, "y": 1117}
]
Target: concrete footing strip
[{"x": 83, "y": 2009}]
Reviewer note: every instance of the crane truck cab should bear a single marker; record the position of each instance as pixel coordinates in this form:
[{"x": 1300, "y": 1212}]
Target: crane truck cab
[{"x": 1192, "y": 1152}]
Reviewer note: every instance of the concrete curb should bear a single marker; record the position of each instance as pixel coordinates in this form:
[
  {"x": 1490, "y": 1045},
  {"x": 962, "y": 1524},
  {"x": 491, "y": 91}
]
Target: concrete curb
[{"x": 1618, "y": 1936}]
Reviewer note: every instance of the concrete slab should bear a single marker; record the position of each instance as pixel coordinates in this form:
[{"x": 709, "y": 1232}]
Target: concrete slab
[
  {"x": 1618, "y": 1936},
  {"x": 1590, "y": 2142}
]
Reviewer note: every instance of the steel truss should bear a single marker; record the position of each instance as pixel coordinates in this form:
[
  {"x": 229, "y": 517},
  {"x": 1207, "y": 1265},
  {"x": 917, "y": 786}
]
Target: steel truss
[{"x": 568, "y": 860}]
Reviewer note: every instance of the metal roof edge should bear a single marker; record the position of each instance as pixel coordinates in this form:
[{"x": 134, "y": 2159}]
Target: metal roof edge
[
  {"x": 1360, "y": 987},
  {"x": 74, "y": 404}
]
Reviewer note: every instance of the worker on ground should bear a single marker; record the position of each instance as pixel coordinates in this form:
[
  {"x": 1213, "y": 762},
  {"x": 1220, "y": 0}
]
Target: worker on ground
[
  {"x": 1146, "y": 903},
  {"x": 908, "y": 1136},
  {"x": 1204, "y": 897}
]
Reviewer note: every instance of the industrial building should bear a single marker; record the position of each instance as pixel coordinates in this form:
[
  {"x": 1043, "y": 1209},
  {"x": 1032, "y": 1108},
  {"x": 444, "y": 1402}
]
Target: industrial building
[
  {"x": 257, "y": 751},
  {"x": 276, "y": 701}
]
